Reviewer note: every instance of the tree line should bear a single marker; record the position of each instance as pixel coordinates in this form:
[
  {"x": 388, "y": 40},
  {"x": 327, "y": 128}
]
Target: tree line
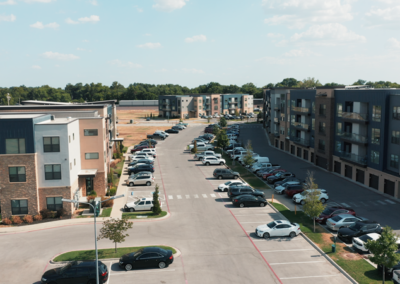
[{"x": 139, "y": 91}]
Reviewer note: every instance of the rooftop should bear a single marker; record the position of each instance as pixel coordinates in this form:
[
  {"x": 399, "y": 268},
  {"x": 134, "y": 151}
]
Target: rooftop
[
  {"x": 19, "y": 116},
  {"x": 58, "y": 121}
]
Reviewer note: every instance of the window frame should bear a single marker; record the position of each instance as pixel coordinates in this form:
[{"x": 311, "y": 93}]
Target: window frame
[
  {"x": 375, "y": 140},
  {"x": 321, "y": 144},
  {"x": 86, "y": 157},
  {"x": 59, "y": 205},
  {"x": 53, "y": 148},
  {"x": 18, "y": 145},
  {"x": 20, "y": 212},
  {"x": 17, "y": 174},
  {"x": 322, "y": 109},
  {"x": 87, "y": 133},
  {"x": 393, "y": 162},
  {"x": 375, "y": 115},
  {"x": 375, "y": 160},
  {"x": 395, "y": 139},
  {"x": 52, "y": 177}
]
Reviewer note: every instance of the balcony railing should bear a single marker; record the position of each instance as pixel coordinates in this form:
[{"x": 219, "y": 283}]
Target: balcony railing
[
  {"x": 276, "y": 120},
  {"x": 355, "y": 116},
  {"x": 361, "y": 160},
  {"x": 301, "y": 109},
  {"x": 233, "y": 102},
  {"x": 166, "y": 103},
  {"x": 276, "y": 134},
  {"x": 396, "y": 115},
  {"x": 301, "y": 126},
  {"x": 301, "y": 141},
  {"x": 277, "y": 109},
  {"x": 357, "y": 138}
]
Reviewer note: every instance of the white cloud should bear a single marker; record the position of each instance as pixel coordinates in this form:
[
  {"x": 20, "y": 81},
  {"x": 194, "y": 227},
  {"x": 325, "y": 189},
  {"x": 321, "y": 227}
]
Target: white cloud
[
  {"x": 272, "y": 35},
  {"x": 196, "y": 38},
  {"x": 10, "y": 18},
  {"x": 150, "y": 45},
  {"x": 8, "y": 2},
  {"x": 36, "y": 67},
  {"x": 122, "y": 64},
  {"x": 39, "y": 25},
  {"x": 59, "y": 56},
  {"x": 192, "y": 70},
  {"x": 39, "y": 1},
  {"x": 387, "y": 18},
  {"x": 147, "y": 34},
  {"x": 169, "y": 5},
  {"x": 85, "y": 40},
  {"x": 82, "y": 49},
  {"x": 163, "y": 70},
  {"x": 394, "y": 43},
  {"x": 93, "y": 2},
  {"x": 140, "y": 10},
  {"x": 300, "y": 53},
  {"x": 91, "y": 19},
  {"x": 299, "y": 13},
  {"x": 328, "y": 34}
]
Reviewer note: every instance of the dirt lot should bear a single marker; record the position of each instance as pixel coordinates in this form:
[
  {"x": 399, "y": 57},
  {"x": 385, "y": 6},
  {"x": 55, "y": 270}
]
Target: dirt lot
[
  {"x": 135, "y": 113},
  {"x": 134, "y": 134}
]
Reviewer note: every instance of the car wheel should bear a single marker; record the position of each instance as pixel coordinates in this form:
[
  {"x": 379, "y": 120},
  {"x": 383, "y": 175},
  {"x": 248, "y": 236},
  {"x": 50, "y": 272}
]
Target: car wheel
[
  {"x": 131, "y": 184},
  {"x": 266, "y": 235},
  {"x": 303, "y": 202},
  {"x": 292, "y": 234},
  {"x": 219, "y": 177},
  {"x": 131, "y": 210},
  {"x": 262, "y": 204},
  {"x": 148, "y": 183},
  {"x": 151, "y": 209},
  {"x": 207, "y": 164},
  {"x": 221, "y": 163},
  {"x": 235, "y": 177},
  {"x": 128, "y": 267},
  {"x": 241, "y": 205},
  {"x": 323, "y": 200},
  {"x": 162, "y": 264}
]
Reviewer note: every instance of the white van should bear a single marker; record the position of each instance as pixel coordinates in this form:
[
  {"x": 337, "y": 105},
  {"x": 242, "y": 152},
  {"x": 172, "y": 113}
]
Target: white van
[
  {"x": 162, "y": 132},
  {"x": 261, "y": 159},
  {"x": 239, "y": 155}
]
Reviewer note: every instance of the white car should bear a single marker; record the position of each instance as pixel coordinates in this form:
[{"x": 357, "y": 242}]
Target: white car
[
  {"x": 359, "y": 242},
  {"x": 241, "y": 159},
  {"x": 225, "y": 186},
  {"x": 301, "y": 197},
  {"x": 213, "y": 161},
  {"x": 279, "y": 228},
  {"x": 151, "y": 152},
  {"x": 143, "y": 204},
  {"x": 141, "y": 156},
  {"x": 162, "y": 132},
  {"x": 281, "y": 189}
]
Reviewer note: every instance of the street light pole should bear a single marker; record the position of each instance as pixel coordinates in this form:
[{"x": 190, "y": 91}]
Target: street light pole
[{"x": 95, "y": 227}]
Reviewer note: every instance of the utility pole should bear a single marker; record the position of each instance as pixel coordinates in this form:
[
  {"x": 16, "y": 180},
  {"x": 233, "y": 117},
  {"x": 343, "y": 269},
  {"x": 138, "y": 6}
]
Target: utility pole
[{"x": 8, "y": 98}]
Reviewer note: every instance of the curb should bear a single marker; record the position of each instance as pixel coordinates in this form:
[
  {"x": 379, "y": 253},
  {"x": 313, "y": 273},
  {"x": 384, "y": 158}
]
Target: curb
[
  {"x": 150, "y": 219},
  {"x": 51, "y": 261}
]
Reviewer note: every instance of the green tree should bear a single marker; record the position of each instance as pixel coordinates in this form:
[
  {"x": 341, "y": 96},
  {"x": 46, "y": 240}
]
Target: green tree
[
  {"x": 222, "y": 122},
  {"x": 310, "y": 181},
  {"x": 309, "y": 83},
  {"x": 360, "y": 82},
  {"x": 313, "y": 207},
  {"x": 236, "y": 112},
  {"x": 156, "y": 202},
  {"x": 222, "y": 139},
  {"x": 384, "y": 250},
  {"x": 208, "y": 119},
  {"x": 288, "y": 82},
  {"x": 115, "y": 230},
  {"x": 248, "y": 158},
  {"x": 194, "y": 150}
]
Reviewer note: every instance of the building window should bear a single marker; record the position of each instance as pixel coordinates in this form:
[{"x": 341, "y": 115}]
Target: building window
[
  {"x": 54, "y": 203},
  {"x": 322, "y": 109},
  {"x": 52, "y": 172},
  {"x": 51, "y": 144},
  {"x": 15, "y": 146},
  {"x": 74, "y": 162},
  {"x": 313, "y": 124},
  {"x": 322, "y": 127},
  {"x": 215, "y": 107},
  {"x": 173, "y": 108},
  {"x": 376, "y": 136},
  {"x": 91, "y": 132},
  {"x": 339, "y": 110},
  {"x": 338, "y": 128},
  {"x": 338, "y": 146},
  {"x": 321, "y": 145},
  {"x": 73, "y": 136},
  {"x": 199, "y": 101},
  {"x": 376, "y": 113},
  {"x": 394, "y": 161},
  {"x": 70, "y": 166},
  {"x": 313, "y": 107},
  {"x": 17, "y": 174},
  {"x": 19, "y": 207},
  {"x": 91, "y": 156},
  {"x": 375, "y": 157},
  {"x": 396, "y": 112},
  {"x": 396, "y": 137}
]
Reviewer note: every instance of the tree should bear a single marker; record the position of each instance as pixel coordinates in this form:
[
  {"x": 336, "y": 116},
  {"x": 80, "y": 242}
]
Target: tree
[
  {"x": 360, "y": 82},
  {"x": 194, "y": 150},
  {"x": 156, "y": 202},
  {"x": 222, "y": 122},
  {"x": 208, "y": 119},
  {"x": 309, "y": 83},
  {"x": 288, "y": 82},
  {"x": 114, "y": 230},
  {"x": 248, "y": 158},
  {"x": 236, "y": 112},
  {"x": 310, "y": 181},
  {"x": 384, "y": 250},
  {"x": 312, "y": 207},
  {"x": 222, "y": 139}
]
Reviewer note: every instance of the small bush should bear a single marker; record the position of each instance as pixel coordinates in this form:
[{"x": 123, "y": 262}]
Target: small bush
[
  {"x": 37, "y": 217},
  {"x": 61, "y": 212},
  {"x": 16, "y": 220},
  {"x": 108, "y": 203},
  {"x": 45, "y": 213},
  {"x": 28, "y": 219},
  {"x": 52, "y": 214},
  {"x": 113, "y": 191},
  {"x": 90, "y": 198},
  {"x": 93, "y": 193},
  {"x": 7, "y": 221}
]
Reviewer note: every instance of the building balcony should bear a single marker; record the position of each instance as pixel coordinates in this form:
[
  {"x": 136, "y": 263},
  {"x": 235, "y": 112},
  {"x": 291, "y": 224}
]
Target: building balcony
[
  {"x": 396, "y": 116},
  {"x": 207, "y": 102},
  {"x": 276, "y": 120},
  {"x": 277, "y": 109},
  {"x": 301, "y": 126},
  {"x": 301, "y": 110},
  {"x": 300, "y": 141},
  {"x": 276, "y": 134},
  {"x": 353, "y": 138},
  {"x": 353, "y": 158},
  {"x": 166, "y": 108},
  {"x": 355, "y": 117},
  {"x": 165, "y": 103},
  {"x": 232, "y": 107}
]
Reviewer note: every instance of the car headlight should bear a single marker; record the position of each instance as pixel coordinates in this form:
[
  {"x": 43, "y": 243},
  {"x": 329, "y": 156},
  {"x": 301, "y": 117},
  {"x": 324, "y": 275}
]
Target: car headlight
[{"x": 44, "y": 279}]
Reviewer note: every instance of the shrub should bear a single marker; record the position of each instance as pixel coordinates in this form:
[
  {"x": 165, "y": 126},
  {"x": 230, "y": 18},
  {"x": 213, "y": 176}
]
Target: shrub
[
  {"x": 90, "y": 198},
  {"x": 7, "y": 221},
  {"x": 16, "y": 220},
  {"x": 108, "y": 203},
  {"x": 37, "y": 217},
  {"x": 113, "y": 191},
  {"x": 52, "y": 214},
  {"x": 28, "y": 219},
  {"x": 45, "y": 213},
  {"x": 93, "y": 193},
  {"x": 61, "y": 212}
]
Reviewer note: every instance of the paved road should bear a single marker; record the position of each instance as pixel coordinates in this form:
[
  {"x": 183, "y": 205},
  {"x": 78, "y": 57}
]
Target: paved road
[{"x": 365, "y": 202}]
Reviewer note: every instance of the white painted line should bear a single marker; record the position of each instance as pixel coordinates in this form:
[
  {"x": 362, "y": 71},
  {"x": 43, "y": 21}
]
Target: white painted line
[
  {"x": 251, "y": 214},
  {"x": 187, "y": 196},
  {"x": 213, "y": 195},
  {"x": 170, "y": 197},
  {"x": 196, "y": 196},
  {"x": 254, "y": 222},
  {"x": 204, "y": 195},
  {"x": 390, "y": 201},
  {"x": 363, "y": 203},
  {"x": 285, "y": 250},
  {"x": 277, "y": 239},
  {"x": 381, "y": 202},
  {"x": 345, "y": 204},
  {"x": 353, "y": 204},
  {"x": 145, "y": 271},
  {"x": 109, "y": 273},
  {"x": 179, "y": 197},
  {"x": 284, "y": 263},
  {"x": 301, "y": 277}
]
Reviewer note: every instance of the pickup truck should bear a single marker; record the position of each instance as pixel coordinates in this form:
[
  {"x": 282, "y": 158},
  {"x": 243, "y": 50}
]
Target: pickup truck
[
  {"x": 202, "y": 147},
  {"x": 156, "y": 136},
  {"x": 200, "y": 156},
  {"x": 184, "y": 124}
]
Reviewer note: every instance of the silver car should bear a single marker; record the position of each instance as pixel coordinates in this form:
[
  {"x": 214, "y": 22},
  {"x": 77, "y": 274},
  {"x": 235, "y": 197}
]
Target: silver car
[
  {"x": 140, "y": 179},
  {"x": 342, "y": 221}
]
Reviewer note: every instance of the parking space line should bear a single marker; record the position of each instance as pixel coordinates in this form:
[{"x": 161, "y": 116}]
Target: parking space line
[
  {"x": 170, "y": 197},
  {"x": 204, "y": 195},
  {"x": 302, "y": 277},
  {"x": 213, "y": 195},
  {"x": 187, "y": 196},
  {"x": 109, "y": 274},
  {"x": 353, "y": 204},
  {"x": 345, "y": 204},
  {"x": 275, "y": 239},
  {"x": 285, "y": 250},
  {"x": 196, "y": 196},
  {"x": 302, "y": 262},
  {"x": 143, "y": 271},
  {"x": 363, "y": 203},
  {"x": 250, "y": 215},
  {"x": 253, "y": 222},
  {"x": 179, "y": 197},
  {"x": 390, "y": 201},
  {"x": 381, "y": 202}
]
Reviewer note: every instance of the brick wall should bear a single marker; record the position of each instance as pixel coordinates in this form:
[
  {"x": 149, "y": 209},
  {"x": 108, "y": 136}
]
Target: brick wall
[
  {"x": 100, "y": 184},
  {"x": 64, "y": 192}
]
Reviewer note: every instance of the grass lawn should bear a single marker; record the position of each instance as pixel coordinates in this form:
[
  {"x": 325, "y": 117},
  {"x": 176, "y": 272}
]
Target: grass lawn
[
  {"x": 102, "y": 253},
  {"x": 351, "y": 262},
  {"x": 106, "y": 212},
  {"x": 149, "y": 214}
]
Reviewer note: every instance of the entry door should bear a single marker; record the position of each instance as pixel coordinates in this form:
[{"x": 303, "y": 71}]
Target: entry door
[{"x": 89, "y": 185}]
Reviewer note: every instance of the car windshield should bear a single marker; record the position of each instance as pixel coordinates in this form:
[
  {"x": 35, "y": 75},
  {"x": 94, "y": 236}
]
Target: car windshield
[
  {"x": 278, "y": 174},
  {"x": 62, "y": 269},
  {"x": 163, "y": 251},
  {"x": 228, "y": 183},
  {"x": 328, "y": 211},
  {"x": 136, "y": 254},
  {"x": 137, "y": 201},
  {"x": 356, "y": 226},
  {"x": 337, "y": 218},
  {"x": 365, "y": 238},
  {"x": 272, "y": 224}
]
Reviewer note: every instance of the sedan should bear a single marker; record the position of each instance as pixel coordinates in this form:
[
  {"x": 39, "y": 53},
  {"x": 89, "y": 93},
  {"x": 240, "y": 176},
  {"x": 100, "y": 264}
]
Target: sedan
[
  {"x": 279, "y": 183},
  {"x": 141, "y": 161},
  {"x": 358, "y": 229},
  {"x": 279, "y": 176},
  {"x": 146, "y": 142},
  {"x": 279, "y": 228},
  {"x": 272, "y": 173},
  {"x": 329, "y": 212},
  {"x": 213, "y": 161},
  {"x": 148, "y": 257},
  {"x": 172, "y": 131},
  {"x": 281, "y": 188},
  {"x": 247, "y": 200},
  {"x": 342, "y": 221},
  {"x": 225, "y": 186}
]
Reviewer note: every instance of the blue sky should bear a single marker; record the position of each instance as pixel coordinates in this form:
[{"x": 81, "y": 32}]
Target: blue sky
[{"x": 193, "y": 42}]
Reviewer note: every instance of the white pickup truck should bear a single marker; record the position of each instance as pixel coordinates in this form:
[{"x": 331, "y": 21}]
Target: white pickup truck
[
  {"x": 200, "y": 156},
  {"x": 202, "y": 147}
]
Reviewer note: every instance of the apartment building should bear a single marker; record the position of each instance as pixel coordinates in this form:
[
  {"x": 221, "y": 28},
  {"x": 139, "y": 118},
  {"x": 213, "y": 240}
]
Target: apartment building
[
  {"x": 353, "y": 131},
  {"x": 196, "y": 105}
]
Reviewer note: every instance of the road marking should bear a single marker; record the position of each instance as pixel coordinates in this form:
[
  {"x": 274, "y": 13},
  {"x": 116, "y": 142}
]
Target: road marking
[
  {"x": 284, "y": 263},
  {"x": 170, "y": 197},
  {"x": 253, "y": 222},
  {"x": 187, "y": 196},
  {"x": 179, "y": 197},
  {"x": 363, "y": 203},
  {"x": 277, "y": 239},
  {"x": 144, "y": 271},
  {"x": 109, "y": 274},
  {"x": 250, "y": 214},
  {"x": 390, "y": 201},
  {"x": 285, "y": 250},
  {"x": 345, "y": 204},
  {"x": 353, "y": 204},
  {"x": 196, "y": 196},
  {"x": 381, "y": 202},
  {"x": 204, "y": 195},
  {"x": 300, "y": 277},
  {"x": 213, "y": 195}
]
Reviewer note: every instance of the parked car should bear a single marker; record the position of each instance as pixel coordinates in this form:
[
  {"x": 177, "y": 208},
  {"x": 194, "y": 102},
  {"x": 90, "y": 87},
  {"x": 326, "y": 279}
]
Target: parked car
[
  {"x": 260, "y": 167},
  {"x": 147, "y": 258},
  {"x": 141, "y": 168},
  {"x": 235, "y": 150},
  {"x": 267, "y": 171},
  {"x": 140, "y": 180},
  {"x": 359, "y": 228},
  {"x": 152, "y": 152},
  {"x": 342, "y": 221},
  {"x": 225, "y": 186},
  {"x": 359, "y": 242},
  {"x": 279, "y": 228},
  {"x": 183, "y": 124},
  {"x": 281, "y": 188},
  {"x": 272, "y": 173},
  {"x": 162, "y": 132},
  {"x": 141, "y": 156},
  {"x": 301, "y": 197},
  {"x": 279, "y": 176},
  {"x": 139, "y": 148},
  {"x": 141, "y": 161},
  {"x": 291, "y": 190},
  {"x": 234, "y": 191},
  {"x": 225, "y": 173},
  {"x": 279, "y": 183},
  {"x": 396, "y": 274},
  {"x": 68, "y": 272},
  {"x": 157, "y": 136},
  {"x": 201, "y": 140},
  {"x": 143, "y": 204},
  {"x": 148, "y": 141},
  {"x": 213, "y": 161},
  {"x": 172, "y": 131},
  {"x": 180, "y": 127},
  {"x": 231, "y": 146},
  {"x": 202, "y": 147},
  {"x": 247, "y": 200},
  {"x": 201, "y": 156},
  {"x": 329, "y": 212}
]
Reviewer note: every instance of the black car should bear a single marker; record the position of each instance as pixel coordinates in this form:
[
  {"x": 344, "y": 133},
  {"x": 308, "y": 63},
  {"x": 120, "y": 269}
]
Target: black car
[
  {"x": 141, "y": 161},
  {"x": 225, "y": 173},
  {"x": 76, "y": 272},
  {"x": 279, "y": 177},
  {"x": 146, "y": 142},
  {"x": 358, "y": 229},
  {"x": 146, "y": 258},
  {"x": 247, "y": 200},
  {"x": 234, "y": 191},
  {"x": 172, "y": 131},
  {"x": 141, "y": 168},
  {"x": 279, "y": 183}
]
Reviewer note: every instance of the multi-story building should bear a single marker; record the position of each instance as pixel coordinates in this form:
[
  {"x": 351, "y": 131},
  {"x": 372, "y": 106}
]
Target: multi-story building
[{"x": 353, "y": 131}]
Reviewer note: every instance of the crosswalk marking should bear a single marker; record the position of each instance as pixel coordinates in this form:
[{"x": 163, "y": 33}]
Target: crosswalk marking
[
  {"x": 381, "y": 202},
  {"x": 187, "y": 196},
  {"x": 345, "y": 204},
  {"x": 179, "y": 197},
  {"x": 213, "y": 195},
  {"x": 170, "y": 197},
  {"x": 196, "y": 196},
  {"x": 390, "y": 201},
  {"x": 353, "y": 204},
  {"x": 204, "y": 195}
]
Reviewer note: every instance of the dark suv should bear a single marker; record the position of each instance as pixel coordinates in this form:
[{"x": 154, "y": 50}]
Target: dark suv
[
  {"x": 279, "y": 177},
  {"x": 76, "y": 272},
  {"x": 234, "y": 191},
  {"x": 293, "y": 189},
  {"x": 279, "y": 183},
  {"x": 141, "y": 168},
  {"x": 358, "y": 229},
  {"x": 225, "y": 173}
]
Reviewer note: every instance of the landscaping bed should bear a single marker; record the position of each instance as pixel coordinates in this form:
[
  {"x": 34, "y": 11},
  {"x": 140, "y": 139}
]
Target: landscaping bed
[{"x": 149, "y": 214}]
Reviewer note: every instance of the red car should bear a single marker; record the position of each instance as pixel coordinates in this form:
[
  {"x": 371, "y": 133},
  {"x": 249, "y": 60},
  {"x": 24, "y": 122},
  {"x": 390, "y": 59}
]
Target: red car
[
  {"x": 293, "y": 189},
  {"x": 329, "y": 212},
  {"x": 272, "y": 173},
  {"x": 139, "y": 148}
]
